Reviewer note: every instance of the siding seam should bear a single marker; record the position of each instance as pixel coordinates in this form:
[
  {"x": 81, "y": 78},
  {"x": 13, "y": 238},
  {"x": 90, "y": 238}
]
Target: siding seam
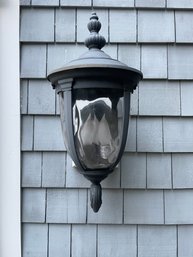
[
  {"x": 177, "y": 240},
  {"x": 175, "y": 40},
  {"x": 27, "y": 95},
  {"x": 87, "y": 206},
  {"x": 46, "y": 59},
  {"x": 172, "y": 173},
  {"x": 76, "y": 31},
  {"x": 163, "y": 146},
  {"x": 137, "y": 27},
  {"x": 55, "y": 25},
  {"x": 41, "y": 182},
  {"x": 48, "y": 238},
  {"x": 108, "y": 29},
  {"x": 123, "y": 214},
  {"x": 33, "y": 132},
  {"x": 71, "y": 240},
  {"x": 164, "y": 214},
  {"x": 46, "y": 205},
  {"x": 180, "y": 87},
  {"x": 137, "y": 240},
  {"x": 65, "y": 165},
  {"x": 167, "y": 54},
  {"x": 146, "y": 170},
  {"x": 97, "y": 234}
]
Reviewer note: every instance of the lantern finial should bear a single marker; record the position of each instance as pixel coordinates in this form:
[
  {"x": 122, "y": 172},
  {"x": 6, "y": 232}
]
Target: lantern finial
[{"x": 95, "y": 40}]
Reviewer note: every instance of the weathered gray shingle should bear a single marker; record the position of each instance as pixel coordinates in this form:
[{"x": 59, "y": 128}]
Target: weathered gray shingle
[
  {"x": 133, "y": 170},
  {"x": 48, "y": 134},
  {"x": 41, "y": 97},
  {"x": 185, "y": 239},
  {"x": 150, "y": 3},
  {"x": 179, "y": 207},
  {"x": 131, "y": 136},
  {"x": 158, "y": 170},
  {"x": 25, "y": 2},
  {"x": 179, "y": 3},
  {"x": 149, "y": 134},
  {"x": 31, "y": 169},
  {"x": 35, "y": 237},
  {"x": 27, "y": 133},
  {"x": 33, "y": 61},
  {"x": 65, "y": 25},
  {"x": 186, "y": 98},
  {"x": 154, "y": 61},
  {"x": 178, "y": 134},
  {"x": 184, "y": 28},
  {"x": 129, "y": 54},
  {"x": 45, "y": 2},
  {"x": 110, "y": 49},
  {"x": 83, "y": 16},
  {"x": 156, "y": 26},
  {"x": 180, "y": 64},
  {"x": 165, "y": 98},
  {"x": 37, "y": 25},
  {"x": 58, "y": 54},
  {"x": 116, "y": 240},
  {"x": 111, "y": 209},
  {"x": 23, "y": 96},
  {"x": 113, "y": 3},
  {"x": 84, "y": 240},
  {"x": 122, "y": 26},
  {"x": 143, "y": 207},
  {"x": 33, "y": 205},
  {"x": 157, "y": 241},
  {"x": 134, "y": 102},
  {"x": 75, "y": 2},
  {"x": 59, "y": 240},
  {"x": 53, "y": 169},
  {"x": 73, "y": 177},
  {"x": 66, "y": 206},
  {"x": 182, "y": 165}
]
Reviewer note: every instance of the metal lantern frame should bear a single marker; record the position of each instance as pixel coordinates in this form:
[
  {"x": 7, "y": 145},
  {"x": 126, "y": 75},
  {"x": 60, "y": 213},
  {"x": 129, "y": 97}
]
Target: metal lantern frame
[{"x": 94, "y": 69}]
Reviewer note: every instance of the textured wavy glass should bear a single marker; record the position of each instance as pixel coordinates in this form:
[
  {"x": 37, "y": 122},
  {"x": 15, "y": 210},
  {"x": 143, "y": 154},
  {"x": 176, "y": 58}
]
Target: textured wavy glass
[{"x": 98, "y": 125}]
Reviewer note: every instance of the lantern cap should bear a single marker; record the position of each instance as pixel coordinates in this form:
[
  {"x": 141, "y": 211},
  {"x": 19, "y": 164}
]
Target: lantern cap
[{"x": 95, "y": 63}]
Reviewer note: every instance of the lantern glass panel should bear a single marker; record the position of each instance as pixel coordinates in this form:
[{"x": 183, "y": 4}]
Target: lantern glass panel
[{"x": 98, "y": 126}]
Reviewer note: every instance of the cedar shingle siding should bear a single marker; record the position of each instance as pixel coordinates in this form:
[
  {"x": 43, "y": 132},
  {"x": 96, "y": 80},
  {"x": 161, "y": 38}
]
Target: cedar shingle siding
[{"x": 148, "y": 201}]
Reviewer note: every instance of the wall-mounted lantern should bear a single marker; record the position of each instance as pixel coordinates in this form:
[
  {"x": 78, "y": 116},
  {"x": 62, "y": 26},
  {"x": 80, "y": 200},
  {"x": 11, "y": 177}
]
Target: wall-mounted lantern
[{"x": 94, "y": 93}]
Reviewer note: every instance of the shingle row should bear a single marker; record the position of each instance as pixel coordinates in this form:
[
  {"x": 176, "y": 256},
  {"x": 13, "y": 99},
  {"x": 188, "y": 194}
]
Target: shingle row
[
  {"x": 127, "y": 240},
  {"x": 185, "y": 4},
  {"x": 119, "y": 206},
  {"x": 136, "y": 170},
  {"x": 168, "y": 98},
  {"x": 123, "y": 26},
  {"x": 155, "y": 61},
  {"x": 147, "y": 134}
]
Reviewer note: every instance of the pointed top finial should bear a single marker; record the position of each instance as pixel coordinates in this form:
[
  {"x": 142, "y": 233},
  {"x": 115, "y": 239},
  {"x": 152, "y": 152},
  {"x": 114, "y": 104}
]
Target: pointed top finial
[{"x": 95, "y": 40}]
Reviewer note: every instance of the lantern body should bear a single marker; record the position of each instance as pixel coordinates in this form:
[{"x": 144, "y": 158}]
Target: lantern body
[
  {"x": 97, "y": 123},
  {"x": 94, "y": 92}
]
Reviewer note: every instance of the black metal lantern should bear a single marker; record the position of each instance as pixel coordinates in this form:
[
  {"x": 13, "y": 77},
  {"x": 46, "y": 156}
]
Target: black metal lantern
[{"x": 94, "y": 92}]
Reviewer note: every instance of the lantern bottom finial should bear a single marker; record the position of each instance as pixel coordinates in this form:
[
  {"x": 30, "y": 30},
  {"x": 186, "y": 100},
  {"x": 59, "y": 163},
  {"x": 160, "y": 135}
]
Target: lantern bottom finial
[{"x": 95, "y": 196}]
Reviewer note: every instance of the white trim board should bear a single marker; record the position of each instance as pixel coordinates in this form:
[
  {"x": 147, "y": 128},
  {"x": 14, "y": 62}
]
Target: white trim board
[{"x": 10, "y": 237}]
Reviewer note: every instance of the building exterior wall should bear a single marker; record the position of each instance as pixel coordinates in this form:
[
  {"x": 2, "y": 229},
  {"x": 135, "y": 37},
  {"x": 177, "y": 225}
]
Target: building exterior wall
[{"x": 148, "y": 201}]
